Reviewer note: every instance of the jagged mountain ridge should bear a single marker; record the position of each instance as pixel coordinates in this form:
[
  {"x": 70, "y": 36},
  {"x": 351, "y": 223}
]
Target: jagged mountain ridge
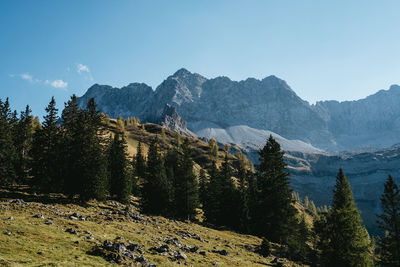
[{"x": 266, "y": 105}]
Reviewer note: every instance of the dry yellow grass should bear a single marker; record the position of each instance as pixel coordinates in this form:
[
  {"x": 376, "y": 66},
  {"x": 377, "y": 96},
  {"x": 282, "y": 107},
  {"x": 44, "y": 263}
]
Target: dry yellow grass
[{"x": 33, "y": 243}]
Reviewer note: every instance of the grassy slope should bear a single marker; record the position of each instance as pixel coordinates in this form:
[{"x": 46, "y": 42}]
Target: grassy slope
[{"x": 34, "y": 243}]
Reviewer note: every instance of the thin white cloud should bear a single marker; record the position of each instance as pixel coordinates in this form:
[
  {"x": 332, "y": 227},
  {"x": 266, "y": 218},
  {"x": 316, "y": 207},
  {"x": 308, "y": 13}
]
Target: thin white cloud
[
  {"x": 82, "y": 68},
  {"x": 26, "y": 76},
  {"x": 57, "y": 83}
]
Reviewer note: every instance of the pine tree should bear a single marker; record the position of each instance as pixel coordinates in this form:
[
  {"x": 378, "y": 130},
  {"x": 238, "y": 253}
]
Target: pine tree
[
  {"x": 120, "y": 178},
  {"x": 243, "y": 205},
  {"x": 92, "y": 161},
  {"x": 8, "y": 154},
  {"x": 202, "y": 187},
  {"x": 45, "y": 152},
  {"x": 186, "y": 197},
  {"x": 156, "y": 191},
  {"x": 212, "y": 203},
  {"x": 275, "y": 217},
  {"x": 23, "y": 143},
  {"x": 72, "y": 121},
  {"x": 139, "y": 169},
  {"x": 344, "y": 241},
  {"x": 389, "y": 221}
]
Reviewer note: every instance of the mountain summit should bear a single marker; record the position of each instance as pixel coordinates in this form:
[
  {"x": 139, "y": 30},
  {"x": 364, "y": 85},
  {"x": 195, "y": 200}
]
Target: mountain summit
[{"x": 245, "y": 111}]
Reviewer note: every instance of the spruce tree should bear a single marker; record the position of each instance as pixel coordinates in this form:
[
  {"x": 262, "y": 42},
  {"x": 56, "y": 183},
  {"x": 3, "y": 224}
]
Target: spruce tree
[
  {"x": 243, "y": 219},
  {"x": 186, "y": 194},
  {"x": 344, "y": 241},
  {"x": 8, "y": 154},
  {"x": 156, "y": 191},
  {"x": 389, "y": 222},
  {"x": 23, "y": 143},
  {"x": 120, "y": 178},
  {"x": 202, "y": 187},
  {"x": 212, "y": 203},
  {"x": 45, "y": 152},
  {"x": 275, "y": 216},
  {"x": 139, "y": 169},
  {"x": 92, "y": 161},
  {"x": 72, "y": 121}
]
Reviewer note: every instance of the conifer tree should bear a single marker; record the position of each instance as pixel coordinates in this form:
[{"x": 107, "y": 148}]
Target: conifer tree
[
  {"x": 212, "y": 203},
  {"x": 139, "y": 169},
  {"x": 45, "y": 152},
  {"x": 243, "y": 206},
  {"x": 72, "y": 141},
  {"x": 202, "y": 187},
  {"x": 275, "y": 217},
  {"x": 186, "y": 197},
  {"x": 92, "y": 161},
  {"x": 8, "y": 154},
  {"x": 156, "y": 191},
  {"x": 344, "y": 241},
  {"x": 120, "y": 177},
  {"x": 389, "y": 222},
  {"x": 23, "y": 143}
]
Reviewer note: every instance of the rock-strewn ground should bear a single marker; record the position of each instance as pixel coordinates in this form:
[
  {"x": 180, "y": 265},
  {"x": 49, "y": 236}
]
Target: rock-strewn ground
[{"x": 37, "y": 230}]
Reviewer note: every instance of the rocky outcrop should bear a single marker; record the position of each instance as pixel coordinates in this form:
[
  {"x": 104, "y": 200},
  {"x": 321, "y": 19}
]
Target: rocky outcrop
[{"x": 171, "y": 120}]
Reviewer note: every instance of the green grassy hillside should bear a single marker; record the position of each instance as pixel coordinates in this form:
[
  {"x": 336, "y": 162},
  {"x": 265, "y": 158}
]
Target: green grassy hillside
[{"x": 46, "y": 241}]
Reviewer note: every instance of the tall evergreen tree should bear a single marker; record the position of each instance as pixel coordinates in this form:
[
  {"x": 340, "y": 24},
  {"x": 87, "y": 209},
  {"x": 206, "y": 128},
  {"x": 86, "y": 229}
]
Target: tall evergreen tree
[
  {"x": 275, "y": 217},
  {"x": 45, "y": 152},
  {"x": 344, "y": 241},
  {"x": 8, "y": 154},
  {"x": 156, "y": 191},
  {"x": 243, "y": 205},
  {"x": 92, "y": 161},
  {"x": 389, "y": 222},
  {"x": 139, "y": 169},
  {"x": 186, "y": 194},
  {"x": 212, "y": 203},
  {"x": 120, "y": 176},
  {"x": 202, "y": 187},
  {"x": 23, "y": 143},
  {"x": 71, "y": 144}
]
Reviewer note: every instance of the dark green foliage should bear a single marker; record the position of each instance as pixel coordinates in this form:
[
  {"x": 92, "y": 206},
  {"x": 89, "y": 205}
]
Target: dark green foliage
[
  {"x": 120, "y": 175},
  {"x": 156, "y": 191},
  {"x": 92, "y": 160},
  {"x": 243, "y": 212},
  {"x": 23, "y": 138},
  {"x": 45, "y": 153},
  {"x": 186, "y": 194},
  {"x": 222, "y": 199},
  {"x": 343, "y": 240},
  {"x": 389, "y": 222},
  {"x": 8, "y": 154},
  {"x": 202, "y": 186},
  {"x": 71, "y": 145},
  {"x": 211, "y": 205},
  {"x": 265, "y": 248},
  {"x": 275, "y": 216},
  {"x": 139, "y": 170}
]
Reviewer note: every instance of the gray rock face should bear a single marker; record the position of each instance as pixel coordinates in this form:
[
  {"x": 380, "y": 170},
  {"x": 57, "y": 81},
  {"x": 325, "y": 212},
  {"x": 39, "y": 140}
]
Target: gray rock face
[
  {"x": 131, "y": 100},
  {"x": 367, "y": 123},
  {"x": 171, "y": 120},
  {"x": 267, "y": 105},
  {"x": 314, "y": 175}
]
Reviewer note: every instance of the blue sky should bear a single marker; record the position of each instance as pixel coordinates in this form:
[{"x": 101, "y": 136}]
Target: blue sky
[{"x": 341, "y": 50}]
